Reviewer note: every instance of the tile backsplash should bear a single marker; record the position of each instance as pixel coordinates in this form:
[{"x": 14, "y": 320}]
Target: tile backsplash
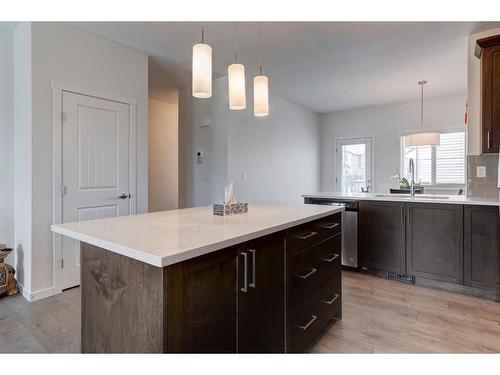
[{"x": 482, "y": 186}]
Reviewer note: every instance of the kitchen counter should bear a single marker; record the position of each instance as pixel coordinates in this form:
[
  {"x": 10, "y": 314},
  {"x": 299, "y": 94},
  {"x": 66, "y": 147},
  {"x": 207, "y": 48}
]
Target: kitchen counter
[
  {"x": 164, "y": 238},
  {"x": 187, "y": 281},
  {"x": 422, "y": 198}
]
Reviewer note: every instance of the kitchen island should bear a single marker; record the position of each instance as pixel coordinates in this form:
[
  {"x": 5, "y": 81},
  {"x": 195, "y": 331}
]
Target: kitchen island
[{"x": 188, "y": 281}]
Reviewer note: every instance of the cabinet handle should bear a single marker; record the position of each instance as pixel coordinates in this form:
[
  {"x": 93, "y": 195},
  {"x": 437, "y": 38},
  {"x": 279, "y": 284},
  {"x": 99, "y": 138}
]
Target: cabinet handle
[
  {"x": 329, "y": 225},
  {"x": 332, "y": 300},
  {"x": 488, "y": 136},
  {"x": 311, "y": 272},
  {"x": 254, "y": 277},
  {"x": 329, "y": 260},
  {"x": 307, "y": 235},
  {"x": 306, "y": 326},
  {"x": 245, "y": 272},
  {"x": 402, "y": 213}
]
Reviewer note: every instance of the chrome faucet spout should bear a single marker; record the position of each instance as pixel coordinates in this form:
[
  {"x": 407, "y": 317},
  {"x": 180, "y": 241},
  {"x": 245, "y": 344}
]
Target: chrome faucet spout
[{"x": 412, "y": 182}]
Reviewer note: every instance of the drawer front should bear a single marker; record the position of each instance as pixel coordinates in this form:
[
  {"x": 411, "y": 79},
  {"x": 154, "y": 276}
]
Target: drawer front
[
  {"x": 309, "y": 234},
  {"x": 311, "y": 268},
  {"x": 312, "y": 315}
]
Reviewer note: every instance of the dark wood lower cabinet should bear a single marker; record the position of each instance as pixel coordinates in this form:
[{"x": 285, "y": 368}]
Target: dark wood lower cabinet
[
  {"x": 261, "y": 302},
  {"x": 232, "y": 300},
  {"x": 381, "y": 236},
  {"x": 202, "y": 299},
  {"x": 434, "y": 241},
  {"x": 482, "y": 247}
]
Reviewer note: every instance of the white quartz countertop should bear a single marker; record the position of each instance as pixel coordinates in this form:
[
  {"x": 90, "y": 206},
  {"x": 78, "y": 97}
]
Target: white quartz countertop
[
  {"x": 450, "y": 199},
  {"x": 168, "y": 237}
]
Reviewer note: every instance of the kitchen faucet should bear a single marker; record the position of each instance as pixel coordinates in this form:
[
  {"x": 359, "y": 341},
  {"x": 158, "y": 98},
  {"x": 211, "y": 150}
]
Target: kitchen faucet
[{"x": 412, "y": 182}]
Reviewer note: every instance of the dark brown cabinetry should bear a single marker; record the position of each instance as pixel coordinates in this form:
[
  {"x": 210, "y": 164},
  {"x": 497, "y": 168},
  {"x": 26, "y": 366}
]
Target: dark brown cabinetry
[
  {"x": 381, "y": 236},
  {"x": 202, "y": 304},
  {"x": 482, "y": 247},
  {"x": 434, "y": 241},
  {"x": 314, "y": 280},
  {"x": 261, "y": 302},
  {"x": 490, "y": 93}
]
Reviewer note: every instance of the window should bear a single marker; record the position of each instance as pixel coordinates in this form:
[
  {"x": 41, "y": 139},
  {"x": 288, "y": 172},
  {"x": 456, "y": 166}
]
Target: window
[{"x": 442, "y": 165}]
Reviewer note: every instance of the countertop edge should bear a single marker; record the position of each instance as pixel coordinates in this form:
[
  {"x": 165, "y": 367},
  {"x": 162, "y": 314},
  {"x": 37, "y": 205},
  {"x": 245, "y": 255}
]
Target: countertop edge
[
  {"x": 471, "y": 202},
  {"x": 159, "y": 261}
]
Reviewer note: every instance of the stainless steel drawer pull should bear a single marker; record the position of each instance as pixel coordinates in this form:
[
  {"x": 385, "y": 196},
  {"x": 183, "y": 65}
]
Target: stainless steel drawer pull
[
  {"x": 329, "y": 225},
  {"x": 332, "y": 300},
  {"x": 329, "y": 260},
  {"x": 306, "y": 235},
  {"x": 304, "y": 327},
  {"x": 254, "y": 276},
  {"x": 245, "y": 272},
  {"x": 311, "y": 272}
]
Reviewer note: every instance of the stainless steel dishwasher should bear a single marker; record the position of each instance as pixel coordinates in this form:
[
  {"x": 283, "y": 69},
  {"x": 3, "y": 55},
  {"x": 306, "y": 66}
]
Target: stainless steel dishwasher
[{"x": 349, "y": 228}]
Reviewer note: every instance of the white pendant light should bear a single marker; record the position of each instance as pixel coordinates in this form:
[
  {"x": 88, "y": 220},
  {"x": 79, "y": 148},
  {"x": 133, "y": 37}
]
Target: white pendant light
[
  {"x": 202, "y": 69},
  {"x": 261, "y": 88},
  {"x": 236, "y": 81},
  {"x": 422, "y": 138}
]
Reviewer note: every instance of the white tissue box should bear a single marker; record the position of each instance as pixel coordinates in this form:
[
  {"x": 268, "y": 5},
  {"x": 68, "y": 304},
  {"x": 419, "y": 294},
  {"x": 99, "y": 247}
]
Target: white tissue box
[{"x": 223, "y": 209}]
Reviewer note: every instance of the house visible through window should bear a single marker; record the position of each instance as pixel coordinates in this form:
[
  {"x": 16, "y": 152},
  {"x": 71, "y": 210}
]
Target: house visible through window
[{"x": 441, "y": 165}]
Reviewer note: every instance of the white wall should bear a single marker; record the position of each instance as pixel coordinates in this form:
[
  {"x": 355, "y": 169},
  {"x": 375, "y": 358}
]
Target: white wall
[
  {"x": 23, "y": 155},
  {"x": 474, "y": 93},
  {"x": 6, "y": 138},
  {"x": 163, "y": 150},
  {"x": 385, "y": 124},
  {"x": 279, "y": 153},
  {"x": 70, "y": 56}
]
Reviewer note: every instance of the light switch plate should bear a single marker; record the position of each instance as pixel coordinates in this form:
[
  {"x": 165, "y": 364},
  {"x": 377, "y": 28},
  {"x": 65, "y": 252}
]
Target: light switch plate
[{"x": 481, "y": 171}]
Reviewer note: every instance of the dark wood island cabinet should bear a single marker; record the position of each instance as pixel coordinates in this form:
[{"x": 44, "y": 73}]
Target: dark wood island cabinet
[{"x": 271, "y": 294}]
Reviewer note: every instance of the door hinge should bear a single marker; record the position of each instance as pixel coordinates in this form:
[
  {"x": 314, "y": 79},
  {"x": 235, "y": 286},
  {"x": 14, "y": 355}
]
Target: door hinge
[
  {"x": 63, "y": 190},
  {"x": 63, "y": 117},
  {"x": 62, "y": 263}
]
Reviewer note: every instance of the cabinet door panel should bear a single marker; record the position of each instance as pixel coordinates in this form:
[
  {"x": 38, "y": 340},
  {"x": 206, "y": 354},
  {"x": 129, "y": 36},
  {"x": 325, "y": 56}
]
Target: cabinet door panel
[
  {"x": 381, "y": 236},
  {"x": 261, "y": 308},
  {"x": 434, "y": 247},
  {"x": 490, "y": 74},
  {"x": 482, "y": 247},
  {"x": 202, "y": 305}
]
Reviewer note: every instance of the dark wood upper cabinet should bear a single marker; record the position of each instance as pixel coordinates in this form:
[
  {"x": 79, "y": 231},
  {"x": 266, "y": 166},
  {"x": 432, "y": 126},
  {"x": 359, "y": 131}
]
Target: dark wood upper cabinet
[
  {"x": 482, "y": 247},
  {"x": 381, "y": 236},
  {"x": 490, "y": 93},
  {"x": 261, "y": 301},
  {"x": 434, "y": 241}
]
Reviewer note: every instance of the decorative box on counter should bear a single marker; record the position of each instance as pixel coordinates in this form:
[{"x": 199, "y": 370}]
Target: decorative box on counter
[{"x": 223, "y": 209}]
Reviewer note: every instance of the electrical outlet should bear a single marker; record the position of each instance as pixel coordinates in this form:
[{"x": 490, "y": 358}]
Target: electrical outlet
[{"x": 481, "y": 171}]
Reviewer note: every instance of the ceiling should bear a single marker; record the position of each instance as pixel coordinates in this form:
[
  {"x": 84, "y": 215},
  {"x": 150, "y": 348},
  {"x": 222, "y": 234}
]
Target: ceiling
[{"x": 324, "y": 66}]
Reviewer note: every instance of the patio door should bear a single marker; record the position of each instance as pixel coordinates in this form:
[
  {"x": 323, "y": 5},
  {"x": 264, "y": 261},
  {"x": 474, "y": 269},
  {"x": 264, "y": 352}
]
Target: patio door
[{"x": 354, "y": 165}]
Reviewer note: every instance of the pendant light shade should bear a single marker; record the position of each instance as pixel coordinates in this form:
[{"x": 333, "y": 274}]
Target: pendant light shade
[
  {"x": 261, "y": 96},
  {"x": 422, "y": 138},
  {"x": 202, "y": 69},
  {"x": 237, "y": 92}
]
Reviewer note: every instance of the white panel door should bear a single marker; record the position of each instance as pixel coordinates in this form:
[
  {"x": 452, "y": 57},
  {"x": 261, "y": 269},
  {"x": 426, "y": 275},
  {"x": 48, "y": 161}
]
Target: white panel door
[{"x": 95, "y": 168}]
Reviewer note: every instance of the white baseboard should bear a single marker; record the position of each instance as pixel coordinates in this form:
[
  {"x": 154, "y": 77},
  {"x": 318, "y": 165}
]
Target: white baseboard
[{"x": 37, "y": 295}]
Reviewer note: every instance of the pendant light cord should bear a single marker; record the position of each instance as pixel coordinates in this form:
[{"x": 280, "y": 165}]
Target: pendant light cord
[
  {"x": 235, "y": 45},
  {"x": 260, "y": 43},
  {"x": 422, "y": 83},
  {"x": 202, "y": 34}
]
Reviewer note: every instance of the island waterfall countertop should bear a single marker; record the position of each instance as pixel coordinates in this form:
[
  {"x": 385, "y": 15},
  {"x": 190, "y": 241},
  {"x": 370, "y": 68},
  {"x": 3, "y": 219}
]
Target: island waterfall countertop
[
  {"x": 168, "y": 237},
  {"x": 423, "y": 198}
]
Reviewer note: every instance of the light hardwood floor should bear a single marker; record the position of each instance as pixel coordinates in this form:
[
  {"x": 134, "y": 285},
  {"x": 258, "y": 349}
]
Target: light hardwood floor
[
  {"x": 383, "y": 316},
  {"x": 379, "y": 316}
]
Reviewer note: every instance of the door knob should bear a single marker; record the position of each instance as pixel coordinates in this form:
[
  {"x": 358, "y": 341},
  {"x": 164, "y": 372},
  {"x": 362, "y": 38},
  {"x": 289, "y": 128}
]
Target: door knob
[{"x": 124, "y": 196}]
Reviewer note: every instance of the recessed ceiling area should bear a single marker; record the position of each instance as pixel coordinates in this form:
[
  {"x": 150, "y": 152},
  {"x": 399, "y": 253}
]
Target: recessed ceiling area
[{"x": 323, "y": 66}]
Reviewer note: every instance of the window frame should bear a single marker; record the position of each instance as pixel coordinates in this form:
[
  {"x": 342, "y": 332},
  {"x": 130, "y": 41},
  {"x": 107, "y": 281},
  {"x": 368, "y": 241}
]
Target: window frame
[{"x": 433, "y": 183}]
